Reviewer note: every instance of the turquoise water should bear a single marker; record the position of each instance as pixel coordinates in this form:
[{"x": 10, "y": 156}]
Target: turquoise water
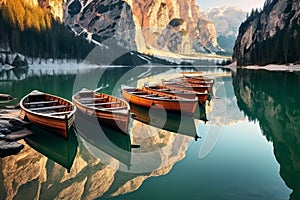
[{"x": 248, "y": 148}]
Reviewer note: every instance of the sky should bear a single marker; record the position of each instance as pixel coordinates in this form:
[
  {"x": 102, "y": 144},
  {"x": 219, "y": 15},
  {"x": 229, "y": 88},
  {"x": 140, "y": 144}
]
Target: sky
[{"x": 243, "y": 4}]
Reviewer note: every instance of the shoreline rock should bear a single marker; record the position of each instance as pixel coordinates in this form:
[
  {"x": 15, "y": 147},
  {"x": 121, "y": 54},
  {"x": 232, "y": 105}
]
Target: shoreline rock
[{"x": 12, "y": 129}]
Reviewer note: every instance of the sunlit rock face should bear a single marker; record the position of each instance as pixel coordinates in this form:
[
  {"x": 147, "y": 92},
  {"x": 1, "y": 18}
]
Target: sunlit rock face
[
  {"x": 166, "y": 22},
  {"x": 171, "y": 25},
  {"x": 274, "y": 105}
]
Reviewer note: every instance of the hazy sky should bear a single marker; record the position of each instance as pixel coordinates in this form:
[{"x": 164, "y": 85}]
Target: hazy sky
[{"x": 243, "y": 4}]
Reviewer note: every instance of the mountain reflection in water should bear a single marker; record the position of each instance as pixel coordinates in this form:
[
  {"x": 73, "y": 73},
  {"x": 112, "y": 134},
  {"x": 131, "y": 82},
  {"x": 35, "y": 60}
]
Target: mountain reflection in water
[{"x": 272, "y": 98}]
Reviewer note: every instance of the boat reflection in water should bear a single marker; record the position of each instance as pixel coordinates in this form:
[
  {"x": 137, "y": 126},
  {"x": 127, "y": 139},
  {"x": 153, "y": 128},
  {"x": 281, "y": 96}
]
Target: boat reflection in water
[
  {"x": 104, "y": 143},
  {"x": 159, "y": 118},
  {"x": 54, "y": 147},
  {"x": 201, "y": 113}
]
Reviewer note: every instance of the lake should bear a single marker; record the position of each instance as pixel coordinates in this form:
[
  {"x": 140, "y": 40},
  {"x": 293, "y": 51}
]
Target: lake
[{"x": 244, "y": 146}]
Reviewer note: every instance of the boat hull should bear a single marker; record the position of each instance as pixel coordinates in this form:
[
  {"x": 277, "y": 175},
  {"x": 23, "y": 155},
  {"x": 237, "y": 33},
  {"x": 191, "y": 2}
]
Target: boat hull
[
  {"x": 184, "y": 106},
  {"x": 58, "y": 126},
  {"x": 117, "y": 120},
  {"x": 35, "y": 106},
  {"x": 194, "y": 87},
  {"x": 188, "y": 94}
]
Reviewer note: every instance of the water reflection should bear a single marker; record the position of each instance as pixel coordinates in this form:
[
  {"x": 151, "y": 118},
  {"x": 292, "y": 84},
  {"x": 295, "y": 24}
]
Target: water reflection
[
  {"x": 181, "y": 124},
  {"x": 105, "y": 163},
  {"x": 104, "y": 143},
  {"x": 273, "y": 99},
  {"x": 54, "y": 147}
]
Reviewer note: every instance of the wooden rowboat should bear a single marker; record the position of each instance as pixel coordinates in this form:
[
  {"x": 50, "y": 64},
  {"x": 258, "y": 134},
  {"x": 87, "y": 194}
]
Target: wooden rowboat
[
  {"x": 110, "y": 111},
  {"x": 48, "y": 111},
  {"x": 188, "y": 94},
  {"x": 158, "y": 100},
  {"x": 189, "y": 81},
  {"x": 186, "y": 86},
  {"x": 5, "y": 98},
  {"x": 201, "y": 81}
]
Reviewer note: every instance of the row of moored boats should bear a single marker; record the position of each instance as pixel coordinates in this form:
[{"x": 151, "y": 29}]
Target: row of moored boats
[{"x": 181, "y": 95}]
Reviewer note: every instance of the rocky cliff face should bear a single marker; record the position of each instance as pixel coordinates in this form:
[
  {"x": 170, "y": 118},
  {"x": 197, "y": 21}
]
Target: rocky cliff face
[
  {"x": 100, "y": 20},
  {"x": 270, "y": 36},
  {"x": 173, "y": 25}
]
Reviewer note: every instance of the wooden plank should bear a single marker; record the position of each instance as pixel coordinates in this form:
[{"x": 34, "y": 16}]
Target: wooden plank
[
  {"x": 102, "y": 104},
  {"x": 148, "y": 95},
  {"x": 40, "y": 102},
  {"x": 59, "y": 113},
  {"x": 160, "y": 98},
  {"x": 113, "y": 108},
  {"x": 137, "y": 92},
  {"x": 162, "y": 90},
  {"x": 91, "y": 99},
  {"x": 48, "y": 108}
]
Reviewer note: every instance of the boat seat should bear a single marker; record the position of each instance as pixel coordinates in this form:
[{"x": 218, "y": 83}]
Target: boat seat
[
  {"x": 92, "y": 99},
  {"x": 162, "y": 90},
  {"x": 48, "y": 108},
  {"x": 102, "y": 104},
  {"x": 148, "y": 95},
  {"x": 160, "y": 97},
  {"x": 40, "y": 102},
  {"x": 60, "y": 113},
  {"x": 137, "y": 92},
  {"x": 113, "y": 108}
]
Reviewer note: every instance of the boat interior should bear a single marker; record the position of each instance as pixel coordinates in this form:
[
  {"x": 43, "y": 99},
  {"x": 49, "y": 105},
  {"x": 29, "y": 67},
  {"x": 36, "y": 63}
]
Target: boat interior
[
  {"x": 151, "y": 95},
  {"x": 100, "y": 101},
  {"x": 47, "y": 104}
]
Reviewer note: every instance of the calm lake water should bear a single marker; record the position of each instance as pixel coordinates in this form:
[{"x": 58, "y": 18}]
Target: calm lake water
[{"x": 249, "y": 147}]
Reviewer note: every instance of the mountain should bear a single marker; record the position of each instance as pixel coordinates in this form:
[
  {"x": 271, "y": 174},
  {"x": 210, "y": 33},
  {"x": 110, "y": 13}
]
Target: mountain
[
  {"x": 43, "y": 28},
  {"x": 227, "y": 20},
  {"x": 30, "y": 29},
  {"x": 171, "y": 25},
  {"x": 271, "y": 35}
]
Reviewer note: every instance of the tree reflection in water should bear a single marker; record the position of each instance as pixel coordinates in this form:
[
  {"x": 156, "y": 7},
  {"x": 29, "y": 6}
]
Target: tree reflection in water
[{"x": 273, "y": 99}]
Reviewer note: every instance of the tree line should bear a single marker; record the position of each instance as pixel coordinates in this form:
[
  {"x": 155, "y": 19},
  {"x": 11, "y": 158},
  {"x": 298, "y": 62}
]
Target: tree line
[
  {"x": 33, "y": 32},
  {"x": 282, "y": 48}
]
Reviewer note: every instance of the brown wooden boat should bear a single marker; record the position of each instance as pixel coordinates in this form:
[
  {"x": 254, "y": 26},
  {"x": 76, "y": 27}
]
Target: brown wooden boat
[
  {"x": 5, "y": 98},
  {"x": 110, "y": 111},
  {"x": 48, "y": 111},
  {"x": 200, "y": 80},
  {"x": 173, "y": 85},
  {"x": 159, "y": 100},
  {"x": 188, "y": 94}
]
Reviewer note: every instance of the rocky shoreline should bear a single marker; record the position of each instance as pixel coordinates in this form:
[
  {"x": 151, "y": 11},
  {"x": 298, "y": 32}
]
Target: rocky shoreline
[
  {"x": 271, "y": 67},
  {"x": 12, "y": 129}
]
